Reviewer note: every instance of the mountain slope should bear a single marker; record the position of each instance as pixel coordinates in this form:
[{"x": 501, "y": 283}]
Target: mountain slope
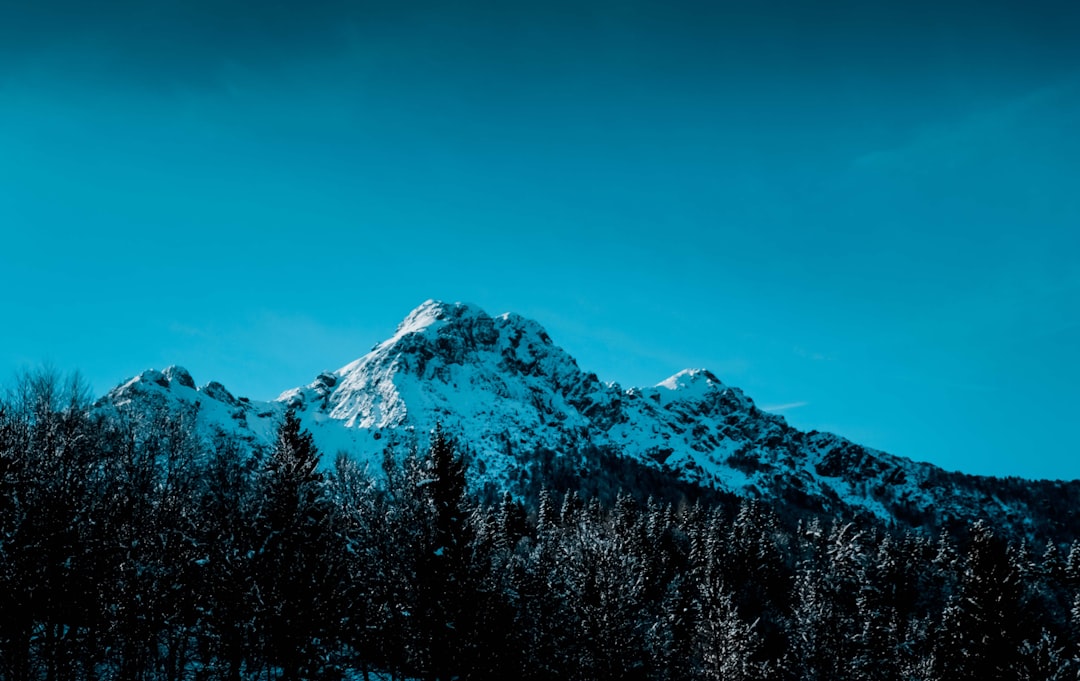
[{"x": 505, "y": 390}]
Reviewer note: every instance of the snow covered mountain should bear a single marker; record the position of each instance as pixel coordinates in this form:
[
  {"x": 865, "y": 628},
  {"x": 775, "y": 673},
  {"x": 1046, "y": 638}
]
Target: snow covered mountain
[{"x": 505, "y": 390}]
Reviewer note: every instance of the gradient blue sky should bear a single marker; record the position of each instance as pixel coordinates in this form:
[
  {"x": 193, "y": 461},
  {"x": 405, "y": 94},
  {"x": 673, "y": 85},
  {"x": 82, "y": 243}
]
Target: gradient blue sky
[{"x": 865, "y": 214}]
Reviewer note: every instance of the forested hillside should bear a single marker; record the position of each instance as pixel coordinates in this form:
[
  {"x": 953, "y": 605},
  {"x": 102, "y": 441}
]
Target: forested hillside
[{"x": 132, "y": 549}]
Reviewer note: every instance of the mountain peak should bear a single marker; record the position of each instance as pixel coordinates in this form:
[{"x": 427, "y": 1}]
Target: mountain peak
[
  {"x": 178, "y": 374},
  {"x": 433, "y": 314},
  {"x": 152, "y": 379},
  {"x": 501, "y": 386},
  {"x": 691, "y": 379}
]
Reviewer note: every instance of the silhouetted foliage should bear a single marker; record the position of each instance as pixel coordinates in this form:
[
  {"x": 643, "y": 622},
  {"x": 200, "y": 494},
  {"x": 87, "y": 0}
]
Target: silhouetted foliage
[{"x": 132, "y": 549}]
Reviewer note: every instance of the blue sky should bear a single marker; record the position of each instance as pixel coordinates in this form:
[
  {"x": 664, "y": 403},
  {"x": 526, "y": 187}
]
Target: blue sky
[{"x": 864, "y": 214}]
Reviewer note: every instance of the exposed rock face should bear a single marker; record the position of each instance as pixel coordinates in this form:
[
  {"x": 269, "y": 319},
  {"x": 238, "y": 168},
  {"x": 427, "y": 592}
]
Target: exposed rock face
[
  {"x": 503, "y": 388},
  {"x": 180, "y": 376},
  {"x": 216, "y": 391}
]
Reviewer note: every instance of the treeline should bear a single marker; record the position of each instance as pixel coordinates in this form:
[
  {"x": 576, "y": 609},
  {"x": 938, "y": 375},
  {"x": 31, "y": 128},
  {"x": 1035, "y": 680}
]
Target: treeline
[{"x": 134, "y": 550}]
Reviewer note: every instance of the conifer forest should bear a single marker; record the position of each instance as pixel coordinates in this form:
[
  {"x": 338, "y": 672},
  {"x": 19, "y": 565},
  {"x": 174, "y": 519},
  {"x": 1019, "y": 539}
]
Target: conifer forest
[{"x": 131, "y": 549}]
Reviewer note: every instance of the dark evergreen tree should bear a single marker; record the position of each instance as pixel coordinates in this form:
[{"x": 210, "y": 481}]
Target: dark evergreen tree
[
  {"x": 755, "y": 563},
  {"x": 356, "y": 518},
  {"x": 444, "y": 581},
  {"x": 52, "y": 463},
  {"x": 512, "y": 523},
  {"x": 1044, "y": 658},
  {"x": 727, "y": 644},
  {"x": 227, "y": 599},
  {"x": 544, "y": 615},
  {"x": 825, "y": 619},
  {"x": 985, "y": 623},
  {"x": 296, "y": 575},
  {"x": 397, "y": 527}
]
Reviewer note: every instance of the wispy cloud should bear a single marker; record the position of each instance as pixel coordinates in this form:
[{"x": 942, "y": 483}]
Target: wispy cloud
[
  {"x": 784, "y": 407},
  {"x": 808, "y": 354},
  {"x": 985, "y": 134}
]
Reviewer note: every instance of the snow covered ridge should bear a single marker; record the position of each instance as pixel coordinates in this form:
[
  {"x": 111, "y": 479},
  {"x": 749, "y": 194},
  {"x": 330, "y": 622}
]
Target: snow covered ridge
[{"x": 502, "y": 388}]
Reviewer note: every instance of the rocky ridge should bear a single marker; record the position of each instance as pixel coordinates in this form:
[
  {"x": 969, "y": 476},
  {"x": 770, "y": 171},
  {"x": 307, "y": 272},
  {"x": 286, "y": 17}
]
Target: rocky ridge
[{"x": 504, "y": 389}]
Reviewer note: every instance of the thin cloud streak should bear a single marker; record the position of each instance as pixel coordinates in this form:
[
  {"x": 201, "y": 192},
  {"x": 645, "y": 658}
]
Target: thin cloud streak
[
  {"x": 784, "y": 407},
  {"x": 986, "y": 133}
]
